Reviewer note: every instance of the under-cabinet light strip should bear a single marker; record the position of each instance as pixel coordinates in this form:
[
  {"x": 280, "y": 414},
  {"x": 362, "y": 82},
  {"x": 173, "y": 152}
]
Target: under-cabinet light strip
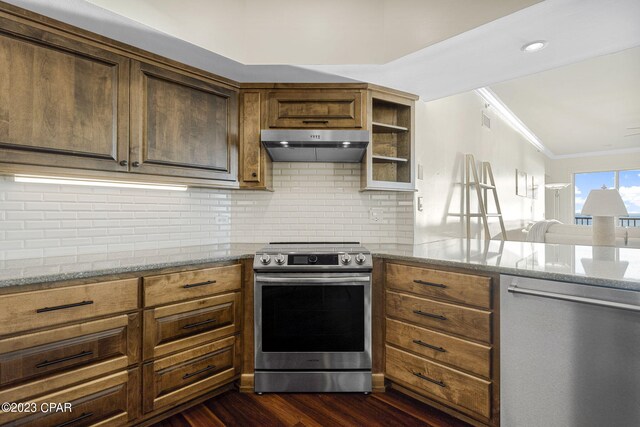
[
  {"x": 513, "y": 121},
  {"x": 96, "y": 183}
]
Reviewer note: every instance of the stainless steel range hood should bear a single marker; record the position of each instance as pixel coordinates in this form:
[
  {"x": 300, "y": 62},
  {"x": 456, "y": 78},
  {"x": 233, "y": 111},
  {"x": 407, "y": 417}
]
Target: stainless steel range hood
[{"x": 301, "y": 145}]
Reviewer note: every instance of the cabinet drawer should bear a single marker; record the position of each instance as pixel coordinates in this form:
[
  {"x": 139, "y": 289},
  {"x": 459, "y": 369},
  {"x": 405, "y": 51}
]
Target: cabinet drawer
[
  {"x": 32, "y": 310},
  {"x": 455, "y": 287},
  {"x": 183, "y": 375},
  {"x": 172, "y": 328},
  {"x": 315, "y": 109},
  {"x": 468, "y": 322},
  {"x": 109, "y": 401},
  {"x": 444, "y": 348},
  {"x": 44, "y": 353},
  {"x": 471, "y": 393},
  {"x": 168, "y": 288}
]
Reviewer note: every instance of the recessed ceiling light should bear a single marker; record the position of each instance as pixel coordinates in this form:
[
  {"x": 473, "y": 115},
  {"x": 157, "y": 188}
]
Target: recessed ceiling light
[
  {"x": 284, "y": 142},
  {"x": 534, "y": 46},
  {"x": 346, "y": 143}
]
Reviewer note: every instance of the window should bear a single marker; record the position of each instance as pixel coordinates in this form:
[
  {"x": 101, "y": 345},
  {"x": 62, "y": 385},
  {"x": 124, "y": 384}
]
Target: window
[{"x": 627, "y": 182}]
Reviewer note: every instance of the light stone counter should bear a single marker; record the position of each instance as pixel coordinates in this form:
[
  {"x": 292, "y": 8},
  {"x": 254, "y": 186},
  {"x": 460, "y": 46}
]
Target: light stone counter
[
  {"x": 611, "y": 267},
  {"x": 599, "y": 266}
]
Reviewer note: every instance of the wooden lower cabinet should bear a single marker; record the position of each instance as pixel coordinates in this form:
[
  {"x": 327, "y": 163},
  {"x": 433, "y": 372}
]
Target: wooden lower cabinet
[
  {"x": 27, "y": 357},
  {"x": 167, "y": 288},
  {"x": 470, "y": 393},
  {"x": 175, "y": 327},
  {"x": 441, "y": 342},
  {"x": 112, "y": 400},
  {"x": 45, "y": 308},
  {"x": 182, "y": 376},
  {"x": 466, "y": 355}
]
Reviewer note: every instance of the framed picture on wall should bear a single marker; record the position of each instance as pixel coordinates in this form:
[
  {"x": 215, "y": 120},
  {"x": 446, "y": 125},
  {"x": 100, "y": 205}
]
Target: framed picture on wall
[
  {"x": 521, "y": 183},
  {"x": 533, "y": 188}
]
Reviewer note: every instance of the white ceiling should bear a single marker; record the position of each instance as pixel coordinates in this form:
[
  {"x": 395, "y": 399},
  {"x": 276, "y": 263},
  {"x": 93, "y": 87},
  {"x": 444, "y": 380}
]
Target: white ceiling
[
  {"x": 581, "y": 108},
  {"x": 312, "y": 31}
]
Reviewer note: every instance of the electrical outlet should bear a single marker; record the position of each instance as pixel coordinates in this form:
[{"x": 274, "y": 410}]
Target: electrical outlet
[
  {"x": 375, "y": 215},
  {"x": 222, "y": 219}
]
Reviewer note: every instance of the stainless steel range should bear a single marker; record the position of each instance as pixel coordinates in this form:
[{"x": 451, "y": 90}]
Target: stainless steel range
[{"x": 312, "y": 311}]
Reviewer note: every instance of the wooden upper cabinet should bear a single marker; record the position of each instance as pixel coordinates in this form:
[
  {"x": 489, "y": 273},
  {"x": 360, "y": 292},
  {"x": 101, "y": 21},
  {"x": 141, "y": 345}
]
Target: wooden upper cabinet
[
  {"x": 255, "y": 163},
  {"x": 62, "y": 102},
  {"x": 182, "y": 125},
  {"x": 316, "y": 109}
]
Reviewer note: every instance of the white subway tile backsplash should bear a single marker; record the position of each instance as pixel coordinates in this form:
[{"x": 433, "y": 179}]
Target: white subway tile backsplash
[
  {"x": 316, "y": 201},
  {"x": 312, "y": 201}
]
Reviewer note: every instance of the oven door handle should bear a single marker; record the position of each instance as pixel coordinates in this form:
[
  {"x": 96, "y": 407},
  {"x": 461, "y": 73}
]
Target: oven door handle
[{"x": 263, "y": 279}]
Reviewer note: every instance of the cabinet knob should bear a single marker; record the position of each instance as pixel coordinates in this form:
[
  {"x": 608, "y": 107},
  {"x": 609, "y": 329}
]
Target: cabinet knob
[
  {"x": 254, "y": 174},
  {"x": 135, "y": 164},
  {"x": 123, "y": 163}
]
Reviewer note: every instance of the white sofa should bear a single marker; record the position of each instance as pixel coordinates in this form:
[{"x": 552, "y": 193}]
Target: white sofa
[{"x": 582, "y": 235}]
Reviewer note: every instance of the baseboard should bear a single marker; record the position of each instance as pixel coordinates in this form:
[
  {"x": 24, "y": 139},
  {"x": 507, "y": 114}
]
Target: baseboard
[
  {"x": 246, "y": 383},
  {"x": 377, "y": 383}
]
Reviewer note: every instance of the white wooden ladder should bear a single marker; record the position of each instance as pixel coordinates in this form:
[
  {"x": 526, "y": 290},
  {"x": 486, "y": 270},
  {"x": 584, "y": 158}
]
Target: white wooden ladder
[{"x": 482, "y": 189}]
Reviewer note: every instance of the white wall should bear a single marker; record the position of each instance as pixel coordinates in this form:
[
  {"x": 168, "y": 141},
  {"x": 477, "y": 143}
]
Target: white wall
[
  {"x": 320, "y": 201},
  {"x": 562, "y": 170},
  {"x": 446, "y": 130}
]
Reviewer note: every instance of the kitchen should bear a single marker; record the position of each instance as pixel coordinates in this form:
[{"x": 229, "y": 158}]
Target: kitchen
[{"x": 164, "y": 199}]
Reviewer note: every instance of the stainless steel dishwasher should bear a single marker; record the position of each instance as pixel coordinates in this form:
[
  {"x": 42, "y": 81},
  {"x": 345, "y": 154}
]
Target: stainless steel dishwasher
[{"x": 570, "y": 354}]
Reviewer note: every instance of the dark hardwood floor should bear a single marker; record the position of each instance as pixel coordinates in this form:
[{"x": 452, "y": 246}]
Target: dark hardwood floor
[{"x": 311, "y": 410}]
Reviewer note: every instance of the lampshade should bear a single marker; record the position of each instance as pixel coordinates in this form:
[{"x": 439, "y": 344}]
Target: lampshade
[
  {"x": 604, "y": 203},
  {"x": 557, "y": 185}
]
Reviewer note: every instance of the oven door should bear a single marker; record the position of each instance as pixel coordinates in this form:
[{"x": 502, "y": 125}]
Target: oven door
[{"x": 312, "y": 321}]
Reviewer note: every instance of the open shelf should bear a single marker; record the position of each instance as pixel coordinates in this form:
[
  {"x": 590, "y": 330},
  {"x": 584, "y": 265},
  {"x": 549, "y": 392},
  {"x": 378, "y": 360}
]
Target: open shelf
[
  {"x": 388, "y": 159},
  {"x": 379, "y": 127},
  {"x": 391, "y": 144}
]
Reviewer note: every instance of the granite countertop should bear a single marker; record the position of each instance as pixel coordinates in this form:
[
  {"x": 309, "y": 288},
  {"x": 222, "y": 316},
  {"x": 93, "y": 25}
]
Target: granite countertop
[
  {"x": 610, "y": 267},
  {"x": 599, "y": 266},
  {"x": 53, "y": 269}
]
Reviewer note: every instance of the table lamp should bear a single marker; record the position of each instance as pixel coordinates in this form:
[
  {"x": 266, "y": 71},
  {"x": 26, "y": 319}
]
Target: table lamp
[
  {"x": 603, "y": 205},
  {"x": 557, "y": 186}
]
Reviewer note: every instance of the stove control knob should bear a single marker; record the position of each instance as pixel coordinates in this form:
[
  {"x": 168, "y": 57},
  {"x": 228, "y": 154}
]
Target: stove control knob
[
  {"x": 312, "y": 259},
  {"x": 279, "y": 259},
  {"x": 360, "y": 258},
  {"x": 265, "y": 259},
  {"x": 345, "y": 259}
]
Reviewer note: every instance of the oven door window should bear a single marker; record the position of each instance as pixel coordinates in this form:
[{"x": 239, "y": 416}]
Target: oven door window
[{"x": 311, "y": 318}]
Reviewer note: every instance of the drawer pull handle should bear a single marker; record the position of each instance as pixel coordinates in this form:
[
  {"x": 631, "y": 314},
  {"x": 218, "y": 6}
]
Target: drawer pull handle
[
  {"x": 84, "y": 415},
  {"x": 62, "y": 307},
  {"x": 433, "y": 347},
  {"x": 195, "y": 325},
  {"x": 431, "y": 380},
  {"x": 193, "y": 374},
  {"x": 435, "y": 316},
  {"x": 63, "y": 359},
  {"x": 315, "y": 121},
  {"x": 435, "y": 285},
  {"x": 195, "y": 285}
]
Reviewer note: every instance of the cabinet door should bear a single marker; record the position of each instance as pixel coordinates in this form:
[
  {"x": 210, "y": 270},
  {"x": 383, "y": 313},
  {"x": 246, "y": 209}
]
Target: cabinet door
[
  {"x": 316, "y": 109},
  {"x": 255, "y": 164},
  {"x": 62, "y": 102},
  {"x": 181, "y": 125}
]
